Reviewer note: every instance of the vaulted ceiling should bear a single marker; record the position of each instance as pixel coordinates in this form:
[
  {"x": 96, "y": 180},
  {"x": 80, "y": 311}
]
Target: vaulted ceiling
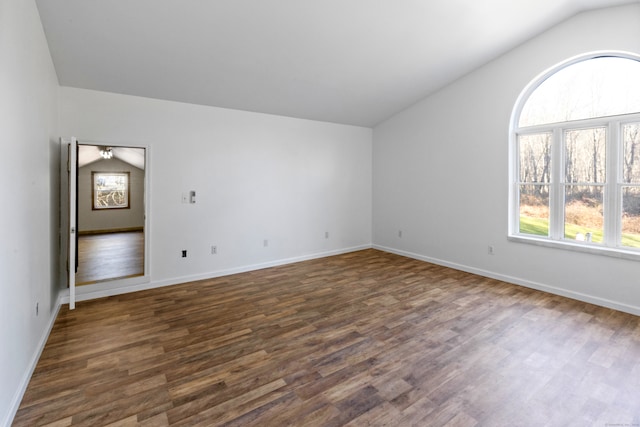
[
  {"x": 88, "y": 154},
  {"x": 345, "y": 61}
]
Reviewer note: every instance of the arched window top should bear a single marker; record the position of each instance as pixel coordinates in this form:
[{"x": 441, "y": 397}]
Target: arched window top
[
  {"x": 575, "y": 157},
  {"x": 591, "y": 87}
]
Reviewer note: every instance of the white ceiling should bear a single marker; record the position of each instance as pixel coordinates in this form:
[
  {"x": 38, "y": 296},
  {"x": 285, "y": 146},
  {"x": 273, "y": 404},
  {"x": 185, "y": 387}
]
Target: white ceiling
[
  {"x": 88, "y": 154},
  {"x": 344, "y": 61}
]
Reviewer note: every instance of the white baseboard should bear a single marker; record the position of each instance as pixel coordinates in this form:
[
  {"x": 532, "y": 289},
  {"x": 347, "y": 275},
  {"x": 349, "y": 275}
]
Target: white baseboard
[
  {"x": 603, "y": 302},
  {"x": 26, "y": 377},
  {"x": 86, "y": 292}
]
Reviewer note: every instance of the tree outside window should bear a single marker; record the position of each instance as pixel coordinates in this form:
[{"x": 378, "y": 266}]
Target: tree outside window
[
  {"x": 110, "y": 190},
  {"x": 576, "y": 168}
]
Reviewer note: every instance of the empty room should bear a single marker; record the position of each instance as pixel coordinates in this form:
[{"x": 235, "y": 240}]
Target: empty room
[{"x": 320, "y": 213}]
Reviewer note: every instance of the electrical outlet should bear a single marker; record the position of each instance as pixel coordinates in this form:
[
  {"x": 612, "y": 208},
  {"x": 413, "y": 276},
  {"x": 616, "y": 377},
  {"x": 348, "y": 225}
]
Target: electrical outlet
[
  {"x": 490, "y": 250},
  {"x": 326, "y": 234},
  {"x": 37, "y": 308},
  {"x": 214, "y": 250},
  {"x": 400, "y": 234},
  {"x": 265, "y": 243},
  {"x": 184, "y": 253}
]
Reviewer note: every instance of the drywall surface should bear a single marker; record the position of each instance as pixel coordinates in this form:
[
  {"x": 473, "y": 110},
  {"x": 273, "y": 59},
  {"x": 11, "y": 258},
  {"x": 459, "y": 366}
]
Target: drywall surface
[
  {"x": 110, "y": 219},
  {"x": 29, "y": 193},
  {"x": 441, "y": 171},
  {"x": 268, "y": 188}
]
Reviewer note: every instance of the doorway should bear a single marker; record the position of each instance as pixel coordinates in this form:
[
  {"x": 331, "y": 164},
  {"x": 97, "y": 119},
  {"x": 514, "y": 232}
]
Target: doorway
[
  {"x": 110, "y": 197},
  {"x": 110, "y": 238}
]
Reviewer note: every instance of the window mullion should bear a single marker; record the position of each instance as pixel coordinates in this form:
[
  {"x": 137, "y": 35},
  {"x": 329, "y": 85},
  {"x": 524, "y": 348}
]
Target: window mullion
[
  {"x": 514, "y": 218},
  {"x": 556, "y": 201},
  {"x": 612, "y": 202}
]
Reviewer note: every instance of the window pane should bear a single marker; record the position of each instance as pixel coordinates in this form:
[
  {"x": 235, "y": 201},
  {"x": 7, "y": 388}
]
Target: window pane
[
  {"x": 631, "y": 157},
  {"x": 596, "y": 87},
  {"x": 535, "y": 157},
  {"x": 110, "y": 190},
  {"x": 585, "y": 151},
  {"x": 631, "y": 217},
  {"x": 583, "y": 213},
  {"x": 534, "y": 210}
]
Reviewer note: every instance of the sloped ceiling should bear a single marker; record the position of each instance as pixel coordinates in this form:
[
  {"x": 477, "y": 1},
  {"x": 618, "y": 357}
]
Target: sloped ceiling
[
  {"x": 345, "y": 61},
  {"x": 88, "y": 154}
]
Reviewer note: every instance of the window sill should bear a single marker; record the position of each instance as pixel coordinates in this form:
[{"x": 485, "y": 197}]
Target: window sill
[{"x": 577, "y": 247}]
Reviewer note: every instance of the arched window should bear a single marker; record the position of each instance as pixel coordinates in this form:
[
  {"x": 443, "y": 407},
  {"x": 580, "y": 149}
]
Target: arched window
[{"x": 575, "y": 156}]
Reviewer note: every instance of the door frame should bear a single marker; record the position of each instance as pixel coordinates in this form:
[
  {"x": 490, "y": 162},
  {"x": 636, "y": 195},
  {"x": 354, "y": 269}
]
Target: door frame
[{"x": 71, "y": 294}]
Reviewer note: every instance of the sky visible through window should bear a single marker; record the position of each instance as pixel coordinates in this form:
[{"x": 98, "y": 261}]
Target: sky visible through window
[{"x": 597, "y": 87}]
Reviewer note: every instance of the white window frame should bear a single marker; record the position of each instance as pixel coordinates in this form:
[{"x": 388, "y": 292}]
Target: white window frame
[{"x": 612, "y": 203}]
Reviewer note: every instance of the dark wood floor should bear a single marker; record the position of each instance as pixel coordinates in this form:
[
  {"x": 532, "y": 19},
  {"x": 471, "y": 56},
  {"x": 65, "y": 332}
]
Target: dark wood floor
[
  {"x": 110, "y": 256},
  {"x": 366, "y": 338}
]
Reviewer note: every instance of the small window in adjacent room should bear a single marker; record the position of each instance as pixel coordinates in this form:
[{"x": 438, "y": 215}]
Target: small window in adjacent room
[
  {"x": 575, "y": 162},
  {"x": 110, "y": 190}
]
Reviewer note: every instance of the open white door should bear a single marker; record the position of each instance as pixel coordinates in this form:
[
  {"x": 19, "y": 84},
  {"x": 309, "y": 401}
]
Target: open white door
[{"x": 72, "y": 169}]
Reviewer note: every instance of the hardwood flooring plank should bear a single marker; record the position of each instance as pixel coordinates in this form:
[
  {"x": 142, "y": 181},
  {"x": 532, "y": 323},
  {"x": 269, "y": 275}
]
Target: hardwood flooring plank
[
  {"x": 110, "y": 255},
  {"x": 364, "y": 338}
]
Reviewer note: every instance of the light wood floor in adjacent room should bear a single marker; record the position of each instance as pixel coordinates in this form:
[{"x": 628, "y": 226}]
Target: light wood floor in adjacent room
[
  {"x": 366, "y": 338},
  {"x": 110, "y": 256}
]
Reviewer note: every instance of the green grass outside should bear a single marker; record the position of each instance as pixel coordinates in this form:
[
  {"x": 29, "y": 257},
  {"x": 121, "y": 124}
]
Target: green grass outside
[
  {"x": 535, "y": 226},
  {"x": 540, "y": 227}
]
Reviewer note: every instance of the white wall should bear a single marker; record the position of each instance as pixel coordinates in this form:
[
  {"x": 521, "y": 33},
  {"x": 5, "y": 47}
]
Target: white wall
[
  {"x": 110, "y": 219},
  {"x": 29, "y": 193},
  {"x": 256, "y": 177},
  {"x": 441, "y": 171}
]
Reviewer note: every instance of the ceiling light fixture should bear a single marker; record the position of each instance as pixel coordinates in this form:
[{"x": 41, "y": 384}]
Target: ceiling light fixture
[{"x": 106, "y": 152}]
